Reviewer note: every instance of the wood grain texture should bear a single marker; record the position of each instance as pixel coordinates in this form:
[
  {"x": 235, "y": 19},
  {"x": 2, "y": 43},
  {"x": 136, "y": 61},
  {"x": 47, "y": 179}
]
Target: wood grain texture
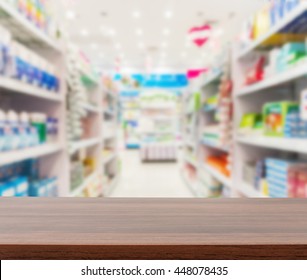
[{"x": 152, "y": 229}]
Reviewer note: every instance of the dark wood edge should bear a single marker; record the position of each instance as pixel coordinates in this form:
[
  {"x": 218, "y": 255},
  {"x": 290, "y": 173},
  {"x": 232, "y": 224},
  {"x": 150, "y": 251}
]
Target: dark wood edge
[{"x": 161, "y": 252}]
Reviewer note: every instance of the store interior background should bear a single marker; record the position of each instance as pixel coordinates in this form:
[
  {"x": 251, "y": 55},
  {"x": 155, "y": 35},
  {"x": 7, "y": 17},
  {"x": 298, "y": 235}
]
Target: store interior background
[{"x": 139, "y": 98}]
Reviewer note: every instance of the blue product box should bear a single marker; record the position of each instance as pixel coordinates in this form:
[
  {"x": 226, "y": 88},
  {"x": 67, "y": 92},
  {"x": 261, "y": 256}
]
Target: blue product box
[
  {"x": 31, "y": 74},
  {"x": 276, "y": 164},
  {"x": 21, "y": 186},
  {"x": 7, "y": 189},
  {"x": 4, "y": 59},
  {"x": 44, "y": 80}
]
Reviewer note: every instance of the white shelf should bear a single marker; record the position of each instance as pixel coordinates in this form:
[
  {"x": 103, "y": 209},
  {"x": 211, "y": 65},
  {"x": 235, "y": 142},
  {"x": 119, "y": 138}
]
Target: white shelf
[
  {"x": 91, "y": 108},
  {"x": 25, "y": 30},
  {"x": 294, "y": 73},
  {"x": 35, "y": 152},
  {"x": 213, "y": 78},
  {"x": 215, "y": 146},
  {"x": 158, "y": 107},
  {"x": 84, "y": 144},
  {"x": 108, "y": 189},
  {"x": 109, "y": 158},
  {"x": 193, "y": 187},
  {"x": 278, "y": 27},
  {"x": 109, "y": 135},
  {"x": 249, "y": 191},
  {"x": 85, "y": 184},
  {"x": 217, "y": 175},
  {"x": 284, "y": 144},
  {"x": 109, "y": 113},
  {"x": 190, "y": 143},
  {"x": 190, "y": 161},
  {"x": 17, "y": 86}
]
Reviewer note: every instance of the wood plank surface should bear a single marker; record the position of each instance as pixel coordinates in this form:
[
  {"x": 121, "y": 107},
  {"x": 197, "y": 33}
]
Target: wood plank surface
[{"x": 152, "y": 228}]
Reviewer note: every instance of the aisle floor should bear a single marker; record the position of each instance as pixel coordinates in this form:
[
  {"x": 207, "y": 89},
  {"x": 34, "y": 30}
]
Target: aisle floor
[{"x": 149, "y": 179}]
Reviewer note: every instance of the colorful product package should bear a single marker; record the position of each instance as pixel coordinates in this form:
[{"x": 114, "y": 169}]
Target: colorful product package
[{"x": 275, "y": 115}]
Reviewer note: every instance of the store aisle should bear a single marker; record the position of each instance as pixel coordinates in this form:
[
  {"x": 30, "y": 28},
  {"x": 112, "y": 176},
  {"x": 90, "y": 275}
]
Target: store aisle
[{"x": 149, "y": 179}]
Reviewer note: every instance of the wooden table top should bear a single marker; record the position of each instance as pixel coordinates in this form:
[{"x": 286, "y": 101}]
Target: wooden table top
[{"x": 37, "y": 224}]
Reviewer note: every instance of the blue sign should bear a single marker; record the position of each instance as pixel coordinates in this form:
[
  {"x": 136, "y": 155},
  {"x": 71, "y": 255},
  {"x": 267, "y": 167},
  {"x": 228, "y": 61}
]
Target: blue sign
[{"x": 157, "y": 80}]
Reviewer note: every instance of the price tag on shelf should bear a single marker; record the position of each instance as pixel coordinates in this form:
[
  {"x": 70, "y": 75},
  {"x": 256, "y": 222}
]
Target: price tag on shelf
[{"x": 304, "y": 105}]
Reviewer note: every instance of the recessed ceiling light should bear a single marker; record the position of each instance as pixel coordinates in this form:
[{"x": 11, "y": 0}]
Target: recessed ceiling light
[
  {"x": 219, "y": 32},
  {"x": 136, "y": 14},
  {"x": 188, "y": 44},
  {"x": 70, "y": 15},
  {"x": 139, "y": 31},
  {"x": 166, "y": 31},
  {"x": 112, "y": 32},
  {"x": 94, "y": 46},
  {"x": 168, "y": 14},
  {"x": 84, "y": 32}
]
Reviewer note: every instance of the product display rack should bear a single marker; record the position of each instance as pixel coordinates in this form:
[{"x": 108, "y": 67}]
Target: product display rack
[
  {"x": 130, "y": 107},
  {"x": 190, "y": 164},
  {"x": 111, "y": 161},
  {"x": 246, "y": 147},
  {"x": 158, "y": 126},
  {"x": 56, "y": 159},
  {"x": 276, "y": 86},
  {"x": 215, "y": 117},
  {"x": 22, "y": 96}
]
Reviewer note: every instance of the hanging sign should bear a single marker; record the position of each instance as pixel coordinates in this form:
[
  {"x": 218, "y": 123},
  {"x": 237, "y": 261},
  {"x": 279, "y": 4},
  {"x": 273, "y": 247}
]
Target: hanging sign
[{"x": 200, "y": 35}]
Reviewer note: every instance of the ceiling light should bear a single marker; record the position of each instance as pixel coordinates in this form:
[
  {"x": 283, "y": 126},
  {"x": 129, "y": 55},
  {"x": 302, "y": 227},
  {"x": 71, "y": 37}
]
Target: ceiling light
[
  {"x": 187, "y": 44},
  {"x": 94, "y": 46},
  {"x": 168, "y": 14},
  {"x": 164, "y": 44},
  {"x": 70, "y": 15},
  {"x": 84, "y": 32},
  {"x": 136, "y": 14},
  {"x": 166, "y": 31},
  {"x": 219, "y": 32},
  {"x": 139, "y": 32},
  {"x": 112, "y": 32}
]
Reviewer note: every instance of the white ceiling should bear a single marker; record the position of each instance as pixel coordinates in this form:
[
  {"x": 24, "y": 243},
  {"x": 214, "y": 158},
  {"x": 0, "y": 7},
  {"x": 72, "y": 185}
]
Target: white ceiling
[{"x": 92, "y": 22}]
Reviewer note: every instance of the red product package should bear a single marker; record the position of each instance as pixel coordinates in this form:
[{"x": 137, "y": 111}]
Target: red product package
[{"x": 256, "y": 73}]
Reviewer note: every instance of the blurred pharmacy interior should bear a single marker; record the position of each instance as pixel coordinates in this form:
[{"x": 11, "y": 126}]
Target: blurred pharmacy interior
[{"x": 153, "y": 98}]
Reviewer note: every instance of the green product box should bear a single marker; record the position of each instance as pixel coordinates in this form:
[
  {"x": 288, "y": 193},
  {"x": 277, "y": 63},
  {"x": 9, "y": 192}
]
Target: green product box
[
  {"x": 251, "y": 121},
  {"x": 275, "y": 117}
]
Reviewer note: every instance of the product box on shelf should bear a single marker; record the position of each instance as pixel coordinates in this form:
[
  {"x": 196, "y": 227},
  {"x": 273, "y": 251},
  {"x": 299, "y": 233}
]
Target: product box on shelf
[
  {"x": 286, "y": 178},
  {"x": 22, "y": 179},
  {"x": 275, "y": 117}
]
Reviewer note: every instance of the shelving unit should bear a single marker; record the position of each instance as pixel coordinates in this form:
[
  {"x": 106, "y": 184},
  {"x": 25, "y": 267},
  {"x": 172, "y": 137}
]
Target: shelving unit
[
  {"x": 158, "y": 126},
  {"x": 84, "y": 144},
  {"x": 280, "y": 27},
  {"x": 111, "y": 161},
  {"x": 277, "y": 85},
  {"x": 78, "y": 192},
  {"x": 22, "y": 96},
  {"x": 25, "y": 31},
  {"x": 218, "y": 176},
  {"x": 35, "y": 152}
]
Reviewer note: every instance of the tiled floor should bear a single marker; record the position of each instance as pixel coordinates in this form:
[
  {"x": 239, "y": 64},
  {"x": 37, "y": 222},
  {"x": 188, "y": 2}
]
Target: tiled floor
[{"x": 149, "y": 179}]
